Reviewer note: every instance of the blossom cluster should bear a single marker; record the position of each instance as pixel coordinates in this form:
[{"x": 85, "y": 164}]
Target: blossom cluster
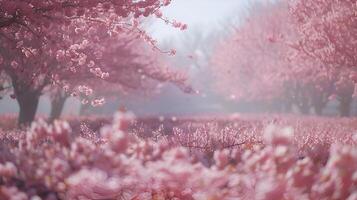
[{"x": 52, "y": 162}]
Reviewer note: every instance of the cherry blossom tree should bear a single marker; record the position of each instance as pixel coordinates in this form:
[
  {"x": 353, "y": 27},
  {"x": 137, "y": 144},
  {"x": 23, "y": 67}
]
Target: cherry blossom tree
[
  {"x": 327, "y": 33},
  {"x": 43, "y": 42},
  {"x": 261, "y": 62},
  {"x": 250, "y": 65}
]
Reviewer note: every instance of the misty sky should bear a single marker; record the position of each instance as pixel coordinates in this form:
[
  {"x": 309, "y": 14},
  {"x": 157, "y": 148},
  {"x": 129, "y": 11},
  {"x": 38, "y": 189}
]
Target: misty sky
[{"x": 203, "y": 14}]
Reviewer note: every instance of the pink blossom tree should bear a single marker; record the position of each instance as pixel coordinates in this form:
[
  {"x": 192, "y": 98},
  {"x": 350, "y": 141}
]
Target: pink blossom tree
[
  {"x": 327, "y": 33},
  {"x": 261, "y": 62},
  {"x": 251, "y": 65},
  {"x": 44, "y": 42}
]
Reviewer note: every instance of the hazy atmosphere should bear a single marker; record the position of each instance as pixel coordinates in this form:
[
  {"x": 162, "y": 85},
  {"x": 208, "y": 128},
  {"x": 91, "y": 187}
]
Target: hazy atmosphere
[{"x": 178, "y": 100}]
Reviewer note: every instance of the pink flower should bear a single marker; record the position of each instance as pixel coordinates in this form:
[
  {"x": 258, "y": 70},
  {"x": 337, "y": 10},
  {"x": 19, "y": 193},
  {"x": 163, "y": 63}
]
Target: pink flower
[
  {"x": 8, "y": 170},
  {"x": 166, "y": 2},
  {"x": 158, "y": 14},
  {"x": 14, "y": 64}
]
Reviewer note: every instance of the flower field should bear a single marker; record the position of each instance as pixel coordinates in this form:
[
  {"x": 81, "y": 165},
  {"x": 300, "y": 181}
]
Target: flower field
[{"x": 229, "y": 158}]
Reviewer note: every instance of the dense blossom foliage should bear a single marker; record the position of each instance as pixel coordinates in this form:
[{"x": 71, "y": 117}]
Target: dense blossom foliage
[
  {"x": 53, "y": 162},
  {"x": 48, "y": 32},
  {"x": 249, "y": 64},
  {"x": 69, "y": 44},
  {"x": 276, "y": 61},
  {"x": 328, "y": 30}
]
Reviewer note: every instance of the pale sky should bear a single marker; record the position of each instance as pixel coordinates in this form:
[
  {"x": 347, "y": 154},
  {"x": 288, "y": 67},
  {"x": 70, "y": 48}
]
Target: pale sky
[{"x": 205, "y": 14}]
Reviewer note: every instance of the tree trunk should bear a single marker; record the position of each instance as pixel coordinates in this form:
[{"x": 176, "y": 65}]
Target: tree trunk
[
  {"x": 345, "y": 106},
  {"x": 28, "y": 103},
  {"x": 28, "y": 99},
  {"x": 57, "y": 105}
]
